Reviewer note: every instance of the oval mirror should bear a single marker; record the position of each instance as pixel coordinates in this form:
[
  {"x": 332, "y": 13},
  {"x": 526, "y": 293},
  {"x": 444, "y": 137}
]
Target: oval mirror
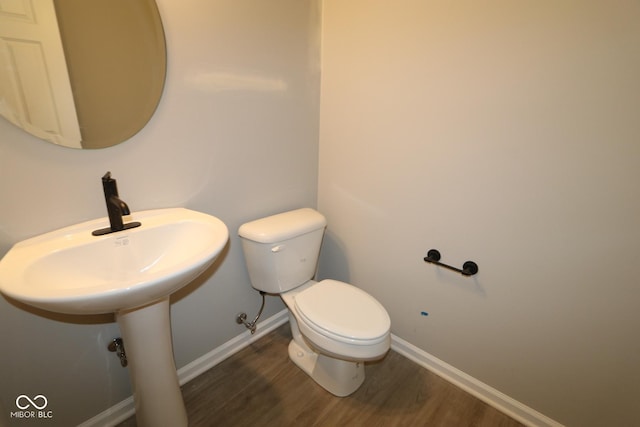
[{"x": 81, "y": 73}]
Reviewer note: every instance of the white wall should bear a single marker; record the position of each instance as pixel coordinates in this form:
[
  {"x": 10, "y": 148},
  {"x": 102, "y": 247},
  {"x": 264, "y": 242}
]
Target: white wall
[
  {"x": 236, "y": 136},
  {"x": 507, "y": 133}
]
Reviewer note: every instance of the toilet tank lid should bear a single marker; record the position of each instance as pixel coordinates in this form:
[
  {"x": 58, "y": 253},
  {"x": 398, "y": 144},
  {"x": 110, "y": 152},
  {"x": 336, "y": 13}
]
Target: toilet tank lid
[{"x": 283, "y": 226}]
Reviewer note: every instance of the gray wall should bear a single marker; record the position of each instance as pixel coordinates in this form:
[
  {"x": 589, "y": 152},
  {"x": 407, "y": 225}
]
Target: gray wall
[
  {"x": 235, "y": 135},
  {"x": 507, "y": 133}
]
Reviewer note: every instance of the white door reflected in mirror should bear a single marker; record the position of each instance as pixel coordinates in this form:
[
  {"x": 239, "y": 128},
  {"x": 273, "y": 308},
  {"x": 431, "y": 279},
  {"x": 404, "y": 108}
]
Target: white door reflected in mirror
[{"x": 35, "y": 91}]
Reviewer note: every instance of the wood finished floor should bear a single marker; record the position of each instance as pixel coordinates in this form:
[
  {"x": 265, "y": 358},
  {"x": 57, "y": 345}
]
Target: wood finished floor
[{"x": 260, "y": 387}]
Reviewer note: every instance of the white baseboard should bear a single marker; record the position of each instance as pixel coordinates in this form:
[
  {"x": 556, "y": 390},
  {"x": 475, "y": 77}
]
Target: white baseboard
[
  {"x": 126, "y": 408},
  {"x": 482, "y": 391},
  {"x": 231, "y": 347},
  {"x": 516, "y": 410},
  {"x": 112, "y": 416}
]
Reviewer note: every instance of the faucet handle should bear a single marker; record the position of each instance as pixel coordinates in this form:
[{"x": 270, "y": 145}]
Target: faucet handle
[{"x": 109, "y": 186}]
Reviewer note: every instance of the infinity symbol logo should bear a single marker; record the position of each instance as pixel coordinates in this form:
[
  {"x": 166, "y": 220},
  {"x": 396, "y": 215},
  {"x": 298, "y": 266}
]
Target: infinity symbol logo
[{"x": 30, "y": 402}]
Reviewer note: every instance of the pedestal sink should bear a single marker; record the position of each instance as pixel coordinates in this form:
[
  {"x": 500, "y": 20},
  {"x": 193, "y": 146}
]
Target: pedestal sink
[{"x": 130, "y": 273}]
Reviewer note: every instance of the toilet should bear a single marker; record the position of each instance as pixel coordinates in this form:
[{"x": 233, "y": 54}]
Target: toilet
[{"x": 336, "y": 326}]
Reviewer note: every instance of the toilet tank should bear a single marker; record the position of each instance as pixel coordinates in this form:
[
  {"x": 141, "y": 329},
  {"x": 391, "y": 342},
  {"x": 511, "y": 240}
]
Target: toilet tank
[{"x": 281, "y": 251}]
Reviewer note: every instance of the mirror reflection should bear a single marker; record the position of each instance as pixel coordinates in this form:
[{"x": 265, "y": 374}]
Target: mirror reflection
[{"x": 81, "y": 73}]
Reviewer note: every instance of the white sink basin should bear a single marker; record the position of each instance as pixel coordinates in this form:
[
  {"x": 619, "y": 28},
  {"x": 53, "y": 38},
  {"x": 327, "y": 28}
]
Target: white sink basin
[
  {"x": 130, "y": 273},
  {"x": 71, "y": 271}
]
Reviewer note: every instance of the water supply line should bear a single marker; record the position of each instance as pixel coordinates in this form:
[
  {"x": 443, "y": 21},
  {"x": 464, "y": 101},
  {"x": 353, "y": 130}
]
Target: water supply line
[
  {"x": 117, "y": 346},
  {"x": 241, "y": 318}
]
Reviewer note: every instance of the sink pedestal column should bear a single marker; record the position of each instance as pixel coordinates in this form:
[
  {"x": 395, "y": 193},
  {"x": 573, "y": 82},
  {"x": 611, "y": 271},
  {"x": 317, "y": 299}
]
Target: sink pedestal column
[{"x": 146, "y": 332}]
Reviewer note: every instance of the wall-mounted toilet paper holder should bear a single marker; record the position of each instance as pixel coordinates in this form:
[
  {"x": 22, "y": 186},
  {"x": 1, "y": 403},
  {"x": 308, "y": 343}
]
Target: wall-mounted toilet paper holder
[{"x": 469, "y": 268}]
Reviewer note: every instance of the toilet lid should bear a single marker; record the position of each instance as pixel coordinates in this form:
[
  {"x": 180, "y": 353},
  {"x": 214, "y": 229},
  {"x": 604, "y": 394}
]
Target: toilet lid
[{"x": 343, "y": 310}]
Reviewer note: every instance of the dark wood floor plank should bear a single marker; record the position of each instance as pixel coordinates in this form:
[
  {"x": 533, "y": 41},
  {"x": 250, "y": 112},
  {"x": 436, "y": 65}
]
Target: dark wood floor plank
[{"x": 260, "y": 386}]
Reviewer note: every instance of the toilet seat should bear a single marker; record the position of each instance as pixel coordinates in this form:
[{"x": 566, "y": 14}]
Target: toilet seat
[{"x": 343, "y": 312}]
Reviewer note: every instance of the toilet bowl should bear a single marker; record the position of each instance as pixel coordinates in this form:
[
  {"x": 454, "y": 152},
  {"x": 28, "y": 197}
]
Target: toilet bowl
[
  {"x": 340, "y": 320},
  {"x": 336, "y": 326}
]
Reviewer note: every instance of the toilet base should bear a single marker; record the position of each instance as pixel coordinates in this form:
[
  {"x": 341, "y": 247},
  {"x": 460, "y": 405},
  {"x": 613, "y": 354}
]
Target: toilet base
[{"x": 339, "y": 377}]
